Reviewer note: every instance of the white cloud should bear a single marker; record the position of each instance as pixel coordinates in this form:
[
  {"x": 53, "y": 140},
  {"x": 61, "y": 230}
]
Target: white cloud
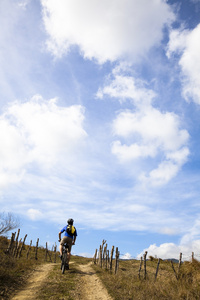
[
  {"x": 40, "y": 132},
  {"x": 145, "y": 132},
  {"x": 148, "y": 134},
  {"x": 190, "y": 242},
  {"x": 34, "y": 214},
  {"x": 127, "y": 153},
  {"x": 165, "y": 172},
  {"x": 48, "y": 128},
  {"x": 155, "y": 128},
  {"x": 105, "y": 30},
  {"x": 187, "y": 44},
  {"x": 171, "y": 250},
  {"x": 126, "y": 256},
  {"x": 127, "y": 87},
  {"x": 12, "y": 153},
  {"x": 164, "y": 251},
  {"x": 192, "y": 234}
]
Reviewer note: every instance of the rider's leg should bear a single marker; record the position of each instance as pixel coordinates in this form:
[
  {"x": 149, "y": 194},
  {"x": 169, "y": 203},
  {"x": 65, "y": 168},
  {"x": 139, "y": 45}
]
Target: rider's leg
[
  {"x": 68, "y": 257},
  {"x": 60, "y": 249},
  {"x": 69, "y": 242},
  {"x": 62, "y": 242}
]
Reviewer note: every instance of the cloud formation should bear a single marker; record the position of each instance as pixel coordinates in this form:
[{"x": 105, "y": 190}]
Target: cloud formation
[
  {"x": 189, "y": 242},
  {"x": 186, "y": 43},
  {"x": 105, "y": 30},
  {"x": 145, "y": 132},
  {"x": 38, "y": 131},
  {"x": 171, "y": 250}
]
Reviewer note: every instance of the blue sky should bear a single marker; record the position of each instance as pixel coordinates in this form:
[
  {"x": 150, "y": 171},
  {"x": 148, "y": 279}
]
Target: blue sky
[{"x": 99, "y": 121}]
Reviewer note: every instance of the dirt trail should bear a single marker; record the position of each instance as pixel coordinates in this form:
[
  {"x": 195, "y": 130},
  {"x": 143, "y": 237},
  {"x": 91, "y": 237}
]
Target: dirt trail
[
  {"x": 92, "y": 288},
  {"x": 34, "y": 283}
]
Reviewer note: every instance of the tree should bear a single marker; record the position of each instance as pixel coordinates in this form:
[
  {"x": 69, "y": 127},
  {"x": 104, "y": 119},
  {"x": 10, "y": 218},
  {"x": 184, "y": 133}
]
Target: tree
[{"x": 7, "y": 222}]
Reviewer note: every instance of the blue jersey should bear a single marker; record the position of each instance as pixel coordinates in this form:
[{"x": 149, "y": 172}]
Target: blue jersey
[{"x": 67, "y": 234}]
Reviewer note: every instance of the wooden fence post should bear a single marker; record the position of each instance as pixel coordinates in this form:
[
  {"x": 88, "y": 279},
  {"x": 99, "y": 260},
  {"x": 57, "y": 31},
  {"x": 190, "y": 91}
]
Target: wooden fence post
[
  {"x": 107, "y": 258},
  {"x": 157, "y": 268},
  {"x": 9, "y": 249},
  {"x": 29, "y": 248},
  {"x": 111, "y": 257},
  {"x": 17, "y": 251},
  {"x": 22, "y": 245},
  {"x": 174, "y": 269},
  {"x": 179, "y": 265},
  {"x": 116, "y": 260},
  {"x": 55, "y": 247},
  {"x": 104, "y": 255},
  {"x": 49, "y": 255},
  {"x": 95, "y": 257},
  {"x": 36, "y": 249},
  {"x": 145, "y": 265},
  {"x": 46, "y": 252},
  {"x": 16, "y": 242},
  {"x": 140, "y": 267},
  {"x": 103, "y": 242},
  {"x": 100, "y": 256}
]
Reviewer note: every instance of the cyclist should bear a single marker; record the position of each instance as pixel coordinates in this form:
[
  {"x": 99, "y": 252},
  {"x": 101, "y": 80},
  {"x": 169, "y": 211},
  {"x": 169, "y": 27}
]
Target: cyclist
[{"x": 69, "y": 238}]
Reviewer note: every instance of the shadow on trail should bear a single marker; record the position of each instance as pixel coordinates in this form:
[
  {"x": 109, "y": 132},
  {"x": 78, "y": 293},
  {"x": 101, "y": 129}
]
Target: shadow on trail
[{"x": 74, "y": 270}]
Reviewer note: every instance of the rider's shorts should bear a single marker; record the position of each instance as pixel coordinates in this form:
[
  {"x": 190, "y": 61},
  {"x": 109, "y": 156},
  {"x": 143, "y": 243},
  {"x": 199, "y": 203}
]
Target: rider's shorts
[{"x": 67, "y": 240}]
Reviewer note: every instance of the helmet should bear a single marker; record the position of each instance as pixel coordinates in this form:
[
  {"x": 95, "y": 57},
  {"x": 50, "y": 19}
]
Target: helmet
[{"x": 70, "y": 221}]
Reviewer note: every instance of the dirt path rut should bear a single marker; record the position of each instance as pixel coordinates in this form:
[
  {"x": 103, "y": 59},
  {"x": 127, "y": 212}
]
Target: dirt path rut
[
  {"x": 34, "y": 283},
  {"x": 92, "y": 287}
]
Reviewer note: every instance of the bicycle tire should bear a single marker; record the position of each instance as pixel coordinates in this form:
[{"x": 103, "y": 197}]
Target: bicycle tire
[
  {"x": 67, "y": 263},
  {"x": 64, "y": 260}
]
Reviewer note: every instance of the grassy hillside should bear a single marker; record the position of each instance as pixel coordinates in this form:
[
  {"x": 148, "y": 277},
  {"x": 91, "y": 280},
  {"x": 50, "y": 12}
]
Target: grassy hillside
[
  {"x": 126, "y": 284},
  {"x": 14, "y": 271}
]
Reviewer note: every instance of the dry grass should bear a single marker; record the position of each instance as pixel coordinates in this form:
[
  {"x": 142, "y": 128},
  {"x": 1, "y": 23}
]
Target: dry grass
[
  {"x": 15, "y": 271},
  {"x": 63, "y": 286},
  {"x": 126, "y": 284}
]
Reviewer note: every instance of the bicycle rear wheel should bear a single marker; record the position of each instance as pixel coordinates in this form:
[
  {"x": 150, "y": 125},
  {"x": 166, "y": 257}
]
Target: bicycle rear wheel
[{"x": 64, "y": 260}]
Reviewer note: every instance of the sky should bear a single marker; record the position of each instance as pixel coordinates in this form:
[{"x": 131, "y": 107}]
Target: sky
[{"x": 99, "y": 122}]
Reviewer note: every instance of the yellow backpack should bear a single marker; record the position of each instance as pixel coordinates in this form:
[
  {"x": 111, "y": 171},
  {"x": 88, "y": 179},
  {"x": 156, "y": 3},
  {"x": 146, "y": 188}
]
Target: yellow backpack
[{"x": 71, "y": 229}]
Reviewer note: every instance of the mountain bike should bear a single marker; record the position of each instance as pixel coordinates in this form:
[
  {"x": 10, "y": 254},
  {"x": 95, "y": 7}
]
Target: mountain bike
[{"x": 64, "y": 264}]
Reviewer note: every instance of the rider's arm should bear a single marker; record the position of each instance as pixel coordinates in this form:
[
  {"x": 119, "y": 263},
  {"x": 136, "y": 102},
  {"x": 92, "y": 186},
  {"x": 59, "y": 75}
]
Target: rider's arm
[
  {"x": 74, "y": 240},
  {"x": 59, "y": 235}
]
